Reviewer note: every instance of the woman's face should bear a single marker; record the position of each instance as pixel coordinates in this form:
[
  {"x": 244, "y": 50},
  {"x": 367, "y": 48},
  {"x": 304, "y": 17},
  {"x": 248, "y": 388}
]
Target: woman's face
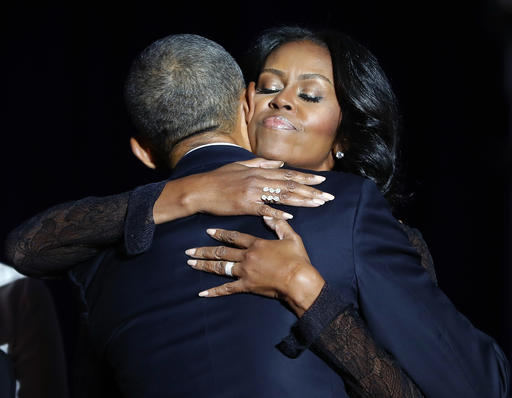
[{"x": 296, "y": 112}]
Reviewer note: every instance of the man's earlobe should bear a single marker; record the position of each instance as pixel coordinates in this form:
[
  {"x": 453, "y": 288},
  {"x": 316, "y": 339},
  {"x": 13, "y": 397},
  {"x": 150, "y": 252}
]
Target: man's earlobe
[
  {"x": 142, "y": 153},
  {"x": 249, "y": 96}
]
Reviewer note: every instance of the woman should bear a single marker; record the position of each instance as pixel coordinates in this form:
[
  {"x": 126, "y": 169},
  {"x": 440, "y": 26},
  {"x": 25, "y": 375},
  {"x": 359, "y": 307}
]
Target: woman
[{"x": 361, "y": 159}]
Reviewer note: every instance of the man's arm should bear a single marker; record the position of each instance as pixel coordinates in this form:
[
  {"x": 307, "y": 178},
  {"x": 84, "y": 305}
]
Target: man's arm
[{"x": 412, "y": 318}]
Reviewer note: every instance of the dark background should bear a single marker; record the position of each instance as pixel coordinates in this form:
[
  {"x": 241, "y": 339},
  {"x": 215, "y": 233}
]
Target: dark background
[{"x": 64, "y": 126}]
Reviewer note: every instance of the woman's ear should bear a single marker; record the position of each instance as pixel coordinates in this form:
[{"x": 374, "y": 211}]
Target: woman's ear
[
  {"x": 249, "y": 95},
  {"x": 143, "y": 154}
]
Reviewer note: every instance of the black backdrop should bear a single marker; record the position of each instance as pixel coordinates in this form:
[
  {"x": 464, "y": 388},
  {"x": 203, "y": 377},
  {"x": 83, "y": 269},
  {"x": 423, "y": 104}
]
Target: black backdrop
[{"x": 64, "y": 127}]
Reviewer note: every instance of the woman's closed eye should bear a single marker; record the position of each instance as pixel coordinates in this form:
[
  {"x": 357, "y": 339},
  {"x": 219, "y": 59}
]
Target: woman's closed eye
[
  {"x": 310, "y": 98},
  {"x": 267, "y": 90},
  {"x": 304, "y": 96}
]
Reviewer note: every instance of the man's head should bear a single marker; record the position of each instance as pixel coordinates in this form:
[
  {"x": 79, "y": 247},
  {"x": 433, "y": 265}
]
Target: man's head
[{"x": 178, "y": 87}]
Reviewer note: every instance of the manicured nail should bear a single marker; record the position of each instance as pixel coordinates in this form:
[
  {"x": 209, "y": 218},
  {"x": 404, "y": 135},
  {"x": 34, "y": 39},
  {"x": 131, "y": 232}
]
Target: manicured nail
[
  {"x": 318, "y": 201},
  {"x": 272, "y": 164},
  {"x": 327, "y": 196},
  {"x": 204, "y": 293},
  {"x": 211, "y": 231},
  {"x": 192, "y": 262},
  {"x": 268, "y": 217},
  {"x": 287, "y": 216},
  {"x": 190, "y": 252},
  {"x": 318, "y": 179}
]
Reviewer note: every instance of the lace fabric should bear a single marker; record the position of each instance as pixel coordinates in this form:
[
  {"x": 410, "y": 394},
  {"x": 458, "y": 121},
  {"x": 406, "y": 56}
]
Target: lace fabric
[
  {"x": 366, "y": 369},
  {"x": 51, "y": 242}
]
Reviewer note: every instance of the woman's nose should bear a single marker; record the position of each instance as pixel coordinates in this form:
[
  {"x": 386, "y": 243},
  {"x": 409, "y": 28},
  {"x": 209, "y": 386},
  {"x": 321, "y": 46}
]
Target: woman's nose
[{"x": 281, "y": 101}]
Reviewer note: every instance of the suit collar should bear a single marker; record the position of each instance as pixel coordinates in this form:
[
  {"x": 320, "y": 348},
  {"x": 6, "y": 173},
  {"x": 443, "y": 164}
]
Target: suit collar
[{"x": 208, "y": 158}]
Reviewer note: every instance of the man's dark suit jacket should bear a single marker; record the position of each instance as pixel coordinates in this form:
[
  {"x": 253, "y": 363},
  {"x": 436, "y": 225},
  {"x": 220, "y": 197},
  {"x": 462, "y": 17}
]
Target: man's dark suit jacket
[{"x": 159, "y": 339}]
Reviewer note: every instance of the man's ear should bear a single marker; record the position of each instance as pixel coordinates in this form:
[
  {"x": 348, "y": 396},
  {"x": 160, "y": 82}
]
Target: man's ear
[
  {"x": 249, "y": 96},
  {"x": 142, "y": 153}
]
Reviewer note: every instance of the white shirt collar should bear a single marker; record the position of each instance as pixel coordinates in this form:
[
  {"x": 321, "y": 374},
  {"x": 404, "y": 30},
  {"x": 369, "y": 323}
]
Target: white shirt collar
[{"x": 212, "y": 144}]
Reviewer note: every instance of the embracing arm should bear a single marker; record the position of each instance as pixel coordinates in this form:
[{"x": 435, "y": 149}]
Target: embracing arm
[
  {"x": 55, "y": 240},
  {"x": 336, "y": 333},
  {"x": 66, "y": 234}
]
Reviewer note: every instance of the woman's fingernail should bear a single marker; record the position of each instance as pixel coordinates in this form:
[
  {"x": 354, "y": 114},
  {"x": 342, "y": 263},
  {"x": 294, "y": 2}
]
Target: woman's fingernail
[
  {"x": 211, "y": 231},
  {"x": 268, "y": 217},
  {"x": 190, "y": 252},
  {"x": 192, "y": 262},
  {"x": 327, "y": 196},
  {"x": 204, "y": 293},
  {"x": 287, "y": 216},
  {"x": 318, "y": 201},
  {"x": 318, "y": 179},
  {"x": 271, "y": 164}
]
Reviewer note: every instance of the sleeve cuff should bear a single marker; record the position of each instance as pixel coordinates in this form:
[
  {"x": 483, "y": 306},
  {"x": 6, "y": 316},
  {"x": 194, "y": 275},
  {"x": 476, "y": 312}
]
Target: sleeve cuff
[
  {"x": 327, "y": 306},
  {"x": 139, "y": 225}
]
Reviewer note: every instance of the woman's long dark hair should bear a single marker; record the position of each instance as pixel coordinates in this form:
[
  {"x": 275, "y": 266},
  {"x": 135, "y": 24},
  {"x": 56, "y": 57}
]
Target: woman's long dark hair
[{"x": 369, "y": 130}]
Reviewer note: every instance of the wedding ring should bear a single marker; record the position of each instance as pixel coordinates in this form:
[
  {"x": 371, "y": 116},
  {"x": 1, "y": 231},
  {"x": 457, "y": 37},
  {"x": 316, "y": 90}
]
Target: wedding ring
[{"x": 228, "y": 268}]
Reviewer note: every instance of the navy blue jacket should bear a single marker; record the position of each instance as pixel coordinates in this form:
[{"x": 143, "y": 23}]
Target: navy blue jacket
[{"x": 148, "y": 326}]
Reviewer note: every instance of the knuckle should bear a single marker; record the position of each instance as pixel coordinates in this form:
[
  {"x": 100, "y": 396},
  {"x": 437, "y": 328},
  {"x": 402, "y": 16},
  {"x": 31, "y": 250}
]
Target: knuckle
[
  {"x": 257, "y": 245},
  {"x": 274, "y": 213},
  {"x": 285, "y": 196},
  {"x": 291, "y": 186},
  {"x": 218, "y": 267},
  {"x": 232, "y": 236},
  {"x": 229, "y": 288},
  {"x": 220, "y": 252},
  {"x": 261, "y": 210},
  {"x": 289, "y": 174},
  {"x": 251, "y": 256}
]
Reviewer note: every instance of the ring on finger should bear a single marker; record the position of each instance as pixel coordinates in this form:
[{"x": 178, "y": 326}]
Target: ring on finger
[
  {"x": 228, "y": 268},
  {"x": 268, "y": 195}
]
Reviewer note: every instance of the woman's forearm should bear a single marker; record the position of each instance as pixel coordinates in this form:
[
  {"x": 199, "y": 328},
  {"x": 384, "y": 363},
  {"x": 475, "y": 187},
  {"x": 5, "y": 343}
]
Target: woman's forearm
[
  {"x": 336, "y": 333},
  {"x": 64, "y": 235}
]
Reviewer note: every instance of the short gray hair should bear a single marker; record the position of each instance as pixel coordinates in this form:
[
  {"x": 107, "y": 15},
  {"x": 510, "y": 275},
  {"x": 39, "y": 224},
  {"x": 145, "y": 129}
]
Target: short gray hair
[{"x": 179, "y": 86}]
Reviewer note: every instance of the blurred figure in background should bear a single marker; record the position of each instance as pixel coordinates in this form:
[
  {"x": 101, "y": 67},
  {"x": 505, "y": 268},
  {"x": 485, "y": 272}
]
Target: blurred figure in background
[{"x": 32, "y": 360}]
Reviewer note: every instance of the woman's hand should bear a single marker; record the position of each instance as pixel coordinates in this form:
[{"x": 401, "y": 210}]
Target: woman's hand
[
  {"x": 273, "y": 268},
  {"x": 237, "y": 189}
]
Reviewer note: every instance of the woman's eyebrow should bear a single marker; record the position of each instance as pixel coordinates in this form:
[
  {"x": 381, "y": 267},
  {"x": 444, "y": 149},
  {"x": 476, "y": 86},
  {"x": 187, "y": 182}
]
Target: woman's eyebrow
[
  {"x": 307, "y": 76},
  {"x": 304, "y": 76},
  {"x": 277, "y": 72}
]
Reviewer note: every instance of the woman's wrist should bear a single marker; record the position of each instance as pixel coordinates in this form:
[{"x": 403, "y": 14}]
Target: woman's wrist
[
  {"x": 304, "y": 288},
  {"x": 177, "y": 200}
]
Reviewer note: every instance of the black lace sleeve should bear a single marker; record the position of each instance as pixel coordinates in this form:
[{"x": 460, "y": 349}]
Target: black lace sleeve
[
  {"x": 335, "y": 332},
  {"x": 54, "y": 240},
  {"x": 64, "y": 235},
  {"x": 367, "y": 370}
]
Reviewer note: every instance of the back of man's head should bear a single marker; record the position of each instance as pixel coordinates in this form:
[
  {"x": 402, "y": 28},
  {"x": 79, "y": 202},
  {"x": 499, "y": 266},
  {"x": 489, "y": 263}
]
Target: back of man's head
[{"x": 179, "y": 86}]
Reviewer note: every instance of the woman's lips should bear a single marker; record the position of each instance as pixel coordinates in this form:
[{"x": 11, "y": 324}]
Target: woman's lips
[{"x": 278, "y": 123}]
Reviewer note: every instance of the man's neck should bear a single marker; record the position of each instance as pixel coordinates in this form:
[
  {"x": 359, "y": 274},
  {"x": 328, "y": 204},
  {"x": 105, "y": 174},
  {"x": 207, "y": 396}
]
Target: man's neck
[{"x": 194, "y": 142}]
